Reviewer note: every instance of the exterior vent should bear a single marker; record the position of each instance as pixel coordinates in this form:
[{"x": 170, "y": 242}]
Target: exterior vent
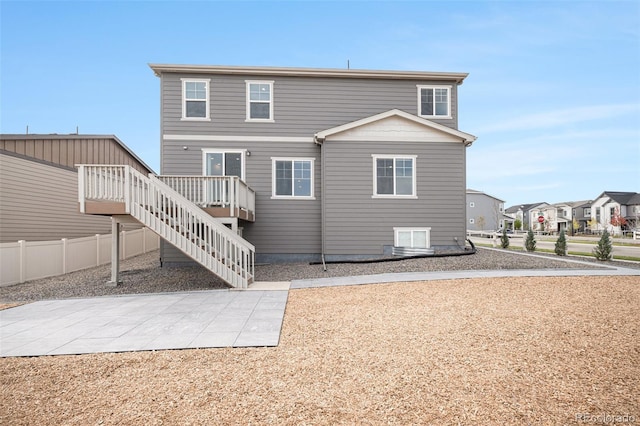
[{"x": 412, "y": 251}]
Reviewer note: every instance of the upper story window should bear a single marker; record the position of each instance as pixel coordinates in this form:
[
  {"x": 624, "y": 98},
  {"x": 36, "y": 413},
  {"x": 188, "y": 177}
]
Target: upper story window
[
  {"x": 293, "y": 178},
  {"x": 587, "y": 211},
  {"x": 394, "y": 176},
  {"x": 472, "y": 204},
  {"x": 195, "y": 99},
  {"x": 259, "y": 101},
  {"x": 434, "y": 101}
]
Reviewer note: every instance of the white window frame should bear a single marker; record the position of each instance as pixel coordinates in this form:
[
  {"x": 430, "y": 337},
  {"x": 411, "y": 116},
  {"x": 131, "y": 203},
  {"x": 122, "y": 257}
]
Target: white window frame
[
  {"x": 242, "y": 152},
  {"x": 206, "y": 82},
  {"x": 412, "y": 230},
  {"x": 427, "y": 86},
  {"x": 248, "y": 97},
  {"x": 472, "y": 221},
  {"x": 377, "y": 157},
  {"x": 293, "y": 196},
  {"x": 472, "y": 204}
]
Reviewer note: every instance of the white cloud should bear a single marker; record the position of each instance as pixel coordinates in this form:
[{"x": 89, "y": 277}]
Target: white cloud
[{"x": 560, "y": 117}]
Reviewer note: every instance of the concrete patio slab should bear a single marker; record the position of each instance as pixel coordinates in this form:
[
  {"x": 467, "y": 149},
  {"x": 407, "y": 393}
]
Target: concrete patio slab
[{"x": 201, "y": 319}]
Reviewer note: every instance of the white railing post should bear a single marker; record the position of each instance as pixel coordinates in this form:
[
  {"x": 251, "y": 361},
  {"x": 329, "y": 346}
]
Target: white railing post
[
  {"x": 127, "y": 189},
  {"x": 81, "y": 184},
  {"x": 232, "y": 195}
]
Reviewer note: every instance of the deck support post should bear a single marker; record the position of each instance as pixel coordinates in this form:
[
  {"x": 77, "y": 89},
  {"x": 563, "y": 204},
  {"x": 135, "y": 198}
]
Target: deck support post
[{"x": 115, "y": 253}]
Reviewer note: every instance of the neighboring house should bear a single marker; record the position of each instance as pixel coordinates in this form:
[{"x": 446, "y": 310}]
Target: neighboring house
[
  {"x": 39, "y": 184},
  {"x": 486, "y": 212},
  {"x": 622, "y": 207},
  {"x": 528, "y": 214},
  {"x": 581, "y": 215},
  {"x": 345, "y": 163}
]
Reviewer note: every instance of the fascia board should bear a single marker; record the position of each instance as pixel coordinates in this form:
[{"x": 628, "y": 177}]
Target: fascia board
[
  {"x": 466, "y": 137},
  {"x": 457, "y": 77}
]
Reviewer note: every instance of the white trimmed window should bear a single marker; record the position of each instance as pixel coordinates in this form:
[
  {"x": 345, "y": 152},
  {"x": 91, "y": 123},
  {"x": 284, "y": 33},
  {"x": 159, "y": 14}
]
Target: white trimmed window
[
  {"x": 195, "y": 99},
  {"x": 292, "y": 178},
  {"x": 394, "y": 176},
  {"x": 259, "y": 100},
  {"x": 217, "y": 162},
  {"x": 472, "y": 221},
  {"x": 434, "y": 101},
  {"x": 472, "y": 204},
  {"x": 412, "y": 237}
]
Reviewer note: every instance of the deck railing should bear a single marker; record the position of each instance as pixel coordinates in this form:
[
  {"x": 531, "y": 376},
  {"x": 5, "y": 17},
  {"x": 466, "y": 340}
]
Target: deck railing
[
  {"x": 172, "y": 216},
  {"x": 214, "y": 191}
]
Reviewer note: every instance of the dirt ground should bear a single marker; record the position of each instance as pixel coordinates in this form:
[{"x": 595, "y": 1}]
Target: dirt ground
[{"x": 481, "y": 351}]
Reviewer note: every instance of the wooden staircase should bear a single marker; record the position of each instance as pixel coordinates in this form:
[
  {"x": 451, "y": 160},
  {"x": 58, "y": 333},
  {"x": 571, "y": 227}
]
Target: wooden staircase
[{"x": 122, "y": 190}]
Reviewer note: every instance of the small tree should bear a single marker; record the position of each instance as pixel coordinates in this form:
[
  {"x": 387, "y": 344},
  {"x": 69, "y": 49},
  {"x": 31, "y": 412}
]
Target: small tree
[
  {"x": 618, "y": 220},
  {"x": 530, "y": 243},
  {"x": 575, "y": 226},
  {"x": 504, "y": 239},
  {"x": 517, "y": 224},
  {"x": 561, "y": 245},
  {"x": 481, "y": 222},
  {"x": 603, "y": 250}
]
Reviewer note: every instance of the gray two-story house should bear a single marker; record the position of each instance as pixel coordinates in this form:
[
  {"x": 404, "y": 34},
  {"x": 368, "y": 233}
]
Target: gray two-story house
[
  {"x": 343, "y": 163},
  {"x": 486, "y": 212}
]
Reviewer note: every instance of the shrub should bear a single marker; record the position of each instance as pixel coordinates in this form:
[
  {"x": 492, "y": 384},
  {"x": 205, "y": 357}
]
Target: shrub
[
  {"x": 561, "y": 245},
  {"x": 530, "y": 243},
  {"x": 504, "y": 239},
  {"x": 603, "y": 250}
]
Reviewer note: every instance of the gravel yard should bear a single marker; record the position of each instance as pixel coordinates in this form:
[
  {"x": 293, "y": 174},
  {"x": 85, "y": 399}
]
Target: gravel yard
[
  {"x": 142, "y": 274},
  {"x": 477, "y": 351}
]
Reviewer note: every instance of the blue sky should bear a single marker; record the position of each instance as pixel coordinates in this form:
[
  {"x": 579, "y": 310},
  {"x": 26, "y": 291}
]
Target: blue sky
[{"x": 553, "y": 92}]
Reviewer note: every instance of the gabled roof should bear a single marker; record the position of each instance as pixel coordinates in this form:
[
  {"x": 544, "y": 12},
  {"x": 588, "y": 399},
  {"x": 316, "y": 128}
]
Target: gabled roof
[
  {"x": 466, "y": 138},
  {"x": 524, "y": 207},
  {"x": 580, "y": 203},
  {"x": 456, "y": 77},
  {"x": 75, "y": 136},
  {"x": 473, "y": 191},
  {"x": 622, "y": 198}
]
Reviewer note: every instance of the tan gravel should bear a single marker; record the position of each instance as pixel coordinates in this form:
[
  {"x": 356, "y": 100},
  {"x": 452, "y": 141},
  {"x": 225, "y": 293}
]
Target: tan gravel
[{"x": 481, "y": 351}]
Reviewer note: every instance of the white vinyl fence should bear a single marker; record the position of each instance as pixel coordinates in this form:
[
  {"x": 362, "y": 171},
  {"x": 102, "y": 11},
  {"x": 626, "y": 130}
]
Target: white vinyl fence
[{"x": 31, "y": 260}]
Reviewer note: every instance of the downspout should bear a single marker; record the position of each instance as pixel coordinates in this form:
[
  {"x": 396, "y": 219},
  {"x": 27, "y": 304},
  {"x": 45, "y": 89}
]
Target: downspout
[{"x": 319, "y": 141}]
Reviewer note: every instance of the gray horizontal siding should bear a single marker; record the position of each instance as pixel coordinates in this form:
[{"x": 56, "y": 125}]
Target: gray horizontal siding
[
  {"x": 302, "y": 105},
  {"x": 40, "y": 203},
  {"x": 281, "y": 226},
  {"x": 357, "y": 224}
]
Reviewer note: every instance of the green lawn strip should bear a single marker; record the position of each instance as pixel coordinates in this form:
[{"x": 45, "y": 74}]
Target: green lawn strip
[
  {"x": 569, "y": 240},
  {"x": 570, "y": 253}
]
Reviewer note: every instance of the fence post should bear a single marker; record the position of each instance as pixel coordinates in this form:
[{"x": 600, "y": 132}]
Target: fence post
[
  {"x": 23, "y": 260},
  {"x": 97, "y": 249},
  {"x": 123, "y": 238},
  {"x": 144, "y": 240},
  {"x": 64, "y": 255}
]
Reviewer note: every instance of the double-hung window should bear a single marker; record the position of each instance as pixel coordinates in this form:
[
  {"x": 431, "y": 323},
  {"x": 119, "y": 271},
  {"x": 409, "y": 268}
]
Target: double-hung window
[
  {"x": 434, "y": 101},
  {"x": 259, "y": 100},
  {"x": 195, "y": 99},
  {"x": 293, "y": 178},
  {"x": 394, "y": 176}
]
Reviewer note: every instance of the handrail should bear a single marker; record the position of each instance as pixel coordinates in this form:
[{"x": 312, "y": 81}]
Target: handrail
[
  {"x": 213, "y": 191},
  {"x": 173, "y": 217}
]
